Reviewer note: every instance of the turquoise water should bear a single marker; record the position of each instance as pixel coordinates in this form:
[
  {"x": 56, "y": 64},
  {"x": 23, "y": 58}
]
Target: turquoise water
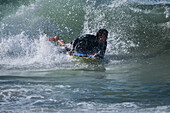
[{"x": 133, "y": 78}]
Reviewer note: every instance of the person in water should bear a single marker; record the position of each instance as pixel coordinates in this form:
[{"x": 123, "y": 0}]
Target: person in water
[{"x": 88, "y": 44}]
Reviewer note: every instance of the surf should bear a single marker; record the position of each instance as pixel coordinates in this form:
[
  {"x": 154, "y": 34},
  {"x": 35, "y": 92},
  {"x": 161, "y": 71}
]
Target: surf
[{"x": 136, "y": 29}]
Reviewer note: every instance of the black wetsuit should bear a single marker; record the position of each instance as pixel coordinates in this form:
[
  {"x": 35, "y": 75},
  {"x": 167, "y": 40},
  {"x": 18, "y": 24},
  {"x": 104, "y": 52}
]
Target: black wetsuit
[{"x": 88, "y": 44}]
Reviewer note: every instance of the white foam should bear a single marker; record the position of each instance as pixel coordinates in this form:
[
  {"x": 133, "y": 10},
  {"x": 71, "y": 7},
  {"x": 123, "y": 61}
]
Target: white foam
[
  {"x": 126, "y": 107},
  {"x": 20, "y": 51},
  {"x": 117, "y": 3}
]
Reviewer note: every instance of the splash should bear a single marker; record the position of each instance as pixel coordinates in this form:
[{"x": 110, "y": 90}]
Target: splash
[
  {"x": 135, "y": 29},
  {"x": 20, "y": 51}
]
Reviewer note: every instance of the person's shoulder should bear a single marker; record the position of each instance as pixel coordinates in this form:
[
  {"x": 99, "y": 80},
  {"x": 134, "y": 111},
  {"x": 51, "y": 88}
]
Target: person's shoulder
[{"x": 88, "y": 36}]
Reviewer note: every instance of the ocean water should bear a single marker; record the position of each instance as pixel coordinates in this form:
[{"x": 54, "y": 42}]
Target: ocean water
[{"x": 134, "y": 77}]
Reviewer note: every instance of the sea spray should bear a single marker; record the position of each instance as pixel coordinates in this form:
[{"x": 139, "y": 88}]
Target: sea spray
[{"x": 135, "y": 29}]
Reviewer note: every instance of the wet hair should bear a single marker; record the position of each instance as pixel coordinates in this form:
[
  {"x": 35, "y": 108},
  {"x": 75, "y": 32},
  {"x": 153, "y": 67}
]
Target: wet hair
[{"x": 100, "y": 32}]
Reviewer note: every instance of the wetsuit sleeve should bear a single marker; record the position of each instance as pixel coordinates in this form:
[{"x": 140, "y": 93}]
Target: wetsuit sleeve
[
  {"x": 101, "y": 50},
  {"x": 74, "y": 43}
]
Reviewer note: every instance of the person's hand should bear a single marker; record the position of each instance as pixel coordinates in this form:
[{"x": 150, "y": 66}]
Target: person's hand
[
  {"x": 69, "y": 52},
  {"x": 95, "y": 56}
]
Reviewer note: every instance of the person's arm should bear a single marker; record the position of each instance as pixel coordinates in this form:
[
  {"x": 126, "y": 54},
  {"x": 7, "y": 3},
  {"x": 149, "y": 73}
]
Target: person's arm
[
  {"x": 101, "y": 51},
  {"x": 56, "y": 38},
  {"x": 98, "y": 56},
  {"x": 73, "y": 43}
]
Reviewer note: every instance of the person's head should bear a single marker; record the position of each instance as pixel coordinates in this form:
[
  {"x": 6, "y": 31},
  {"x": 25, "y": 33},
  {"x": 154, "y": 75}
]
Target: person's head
[{"x": 102, "y": 35}]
